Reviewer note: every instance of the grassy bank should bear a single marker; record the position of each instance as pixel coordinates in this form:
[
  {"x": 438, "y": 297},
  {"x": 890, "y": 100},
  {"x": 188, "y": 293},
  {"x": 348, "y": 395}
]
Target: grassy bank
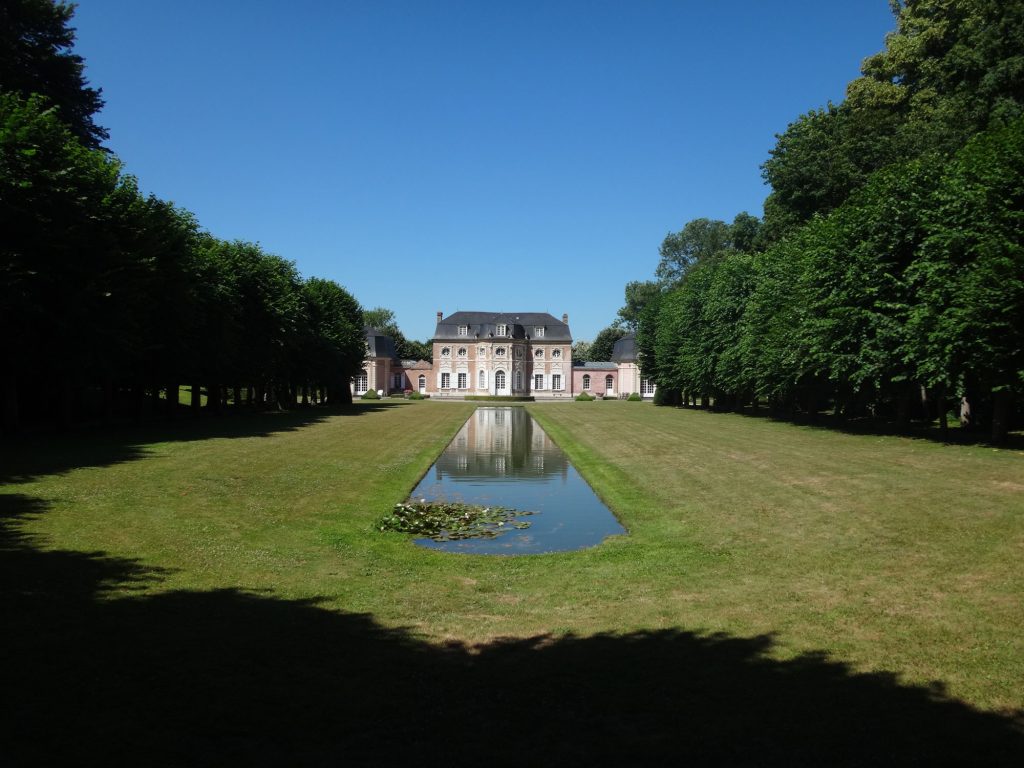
[{"x": 788, "y": 593}]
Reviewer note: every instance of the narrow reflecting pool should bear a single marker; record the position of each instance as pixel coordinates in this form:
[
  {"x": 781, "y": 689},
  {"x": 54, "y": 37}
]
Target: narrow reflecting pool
[{"x": 502, "y": 457}]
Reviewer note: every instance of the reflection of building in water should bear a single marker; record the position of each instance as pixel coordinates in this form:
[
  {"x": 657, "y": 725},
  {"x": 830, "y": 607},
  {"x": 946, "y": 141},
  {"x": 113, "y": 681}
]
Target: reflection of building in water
[{"x": 503, "y": 441}]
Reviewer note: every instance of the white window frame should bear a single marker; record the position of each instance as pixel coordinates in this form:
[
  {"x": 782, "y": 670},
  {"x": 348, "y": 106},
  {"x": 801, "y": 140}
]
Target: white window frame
[
  {"x": 501, "y": 330},
  {"x": 463, "y": 330},
  {"x": 499, "y": 380},
  {"x": 463, "y": 379},
  {"x": 446, "y": 380},
  {"x": 586, "y": 382},
  {"x": 609, "y": 383},
  {"x": 556, "y": 382},
  {"x": 481, "y": 379},
  {"x": 519, "y": 380},
  {"x": 646, "y": 386},
  {"x": 538, "y": 332},
  {"x": 538, "y": 381},
  {"x": 556, "y": 353},
  {"x": 422, "y": 383},
  {"x": 362, "y": 382},
  {"x": 538, "y": 354}
]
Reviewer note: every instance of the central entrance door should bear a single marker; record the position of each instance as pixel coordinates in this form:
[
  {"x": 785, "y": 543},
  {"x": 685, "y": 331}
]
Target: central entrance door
[{"x": 500, "y": 383}]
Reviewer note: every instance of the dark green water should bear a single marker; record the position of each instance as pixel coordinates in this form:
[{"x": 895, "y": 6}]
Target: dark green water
[{"x": 502, "y": 457}]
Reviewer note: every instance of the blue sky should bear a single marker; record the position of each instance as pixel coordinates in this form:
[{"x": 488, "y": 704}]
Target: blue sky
[{"x": 525, "y": 156}]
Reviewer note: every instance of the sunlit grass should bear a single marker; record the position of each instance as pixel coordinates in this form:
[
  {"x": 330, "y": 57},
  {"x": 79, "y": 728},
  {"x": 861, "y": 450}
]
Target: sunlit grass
[{"x": 888, "y": 553}]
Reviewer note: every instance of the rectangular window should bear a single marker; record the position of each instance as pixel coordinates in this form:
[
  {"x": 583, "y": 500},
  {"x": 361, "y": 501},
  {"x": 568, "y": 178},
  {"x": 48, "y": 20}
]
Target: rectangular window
[
  {"x": 446, "y": 381},
  {"x": 556, "y": 381},
  {"x": 538, "y": 381},
  {"x": 462, "y": 381},
  {"x": 646, "y": 387},
  {"x": 501, "y": 330},
  {"x": 538, "y": 332},
  {"x": 463, "y": 330}
]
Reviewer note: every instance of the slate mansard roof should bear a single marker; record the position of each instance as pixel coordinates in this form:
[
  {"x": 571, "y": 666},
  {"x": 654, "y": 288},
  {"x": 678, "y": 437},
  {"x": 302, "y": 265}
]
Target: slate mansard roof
[
  {"x": 483, "y": 325},
  {"x": 624, "y": 350},
  {"x": 378, "y": 344}
]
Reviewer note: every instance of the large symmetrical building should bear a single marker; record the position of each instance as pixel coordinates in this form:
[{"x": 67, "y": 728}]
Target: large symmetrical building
[{"x": 496, "y": 353}]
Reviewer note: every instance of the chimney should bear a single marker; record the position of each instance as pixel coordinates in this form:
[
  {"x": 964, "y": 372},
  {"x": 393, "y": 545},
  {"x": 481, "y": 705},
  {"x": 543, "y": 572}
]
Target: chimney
[
  {"x": 439, "y": 316},
  {"x": 565, "y": 318}
]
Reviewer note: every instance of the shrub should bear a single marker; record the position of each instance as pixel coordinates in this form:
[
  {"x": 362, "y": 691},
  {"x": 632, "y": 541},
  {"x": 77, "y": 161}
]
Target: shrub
[
  {"x": 417, "y": 396},
  {"x": 370, "y": 394},
  {"x": 609, "y": 397},
  {"x": 584, "y": 397},
  {"x": 634, "y": 397}
]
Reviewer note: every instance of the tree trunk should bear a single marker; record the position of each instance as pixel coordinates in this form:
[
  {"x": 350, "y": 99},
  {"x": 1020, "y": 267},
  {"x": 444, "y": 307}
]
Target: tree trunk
[
  {"x": 1001, "y": 415},
  {"x": 903, "y": 409},
  {"x": 213, "y": 398},
  {"x": 940, "y": 405},
  {"x": 172, "y": 399},
  {"x": 197, "y": 399},
  {"x": 65, "y": 393},
  {"x": 154, "y": 400},
  {"x": 11, "y": 413},
  {"x": 966, "y": 422},
  {"x": 138, "y": 400}
]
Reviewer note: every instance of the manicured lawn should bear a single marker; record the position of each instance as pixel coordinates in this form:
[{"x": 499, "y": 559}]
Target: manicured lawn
[{"x": 214, "y": 592}]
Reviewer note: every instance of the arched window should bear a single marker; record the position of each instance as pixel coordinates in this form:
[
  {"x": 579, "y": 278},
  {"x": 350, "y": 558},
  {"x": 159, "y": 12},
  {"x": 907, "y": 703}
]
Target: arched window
[
  {"x": 499, "y": 380},
  {"x": 482, "y": 380},
  {"x": 423, "y": 383},
  {"x": 586, "y": 381},
  {"x": 609, "y": 383},
  {"x": 519, "y": 379}
]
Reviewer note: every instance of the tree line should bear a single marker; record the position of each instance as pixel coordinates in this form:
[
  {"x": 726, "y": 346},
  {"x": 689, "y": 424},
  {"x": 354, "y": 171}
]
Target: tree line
[
  {"x": 886, "y": 278},
  {"x": 111, "y": 299}
]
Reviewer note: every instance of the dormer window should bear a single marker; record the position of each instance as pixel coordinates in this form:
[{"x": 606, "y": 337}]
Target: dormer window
[
  {"x": 538, "y": 332},
  {"x": 463, "y": 330},
  {"x": 501, "y": 330}
]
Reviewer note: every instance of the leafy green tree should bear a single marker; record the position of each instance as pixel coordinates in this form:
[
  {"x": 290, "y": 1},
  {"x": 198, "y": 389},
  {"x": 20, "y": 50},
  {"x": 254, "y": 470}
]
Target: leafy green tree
[
  {"x": 581, "y": 352},
  {"x": 949, "y": 70},
  {"x": 36, "y": 58},
  {"x": 698, "y": 239},
  {"x": 60, "y": 272},
  {"x": 384, "y": 320},
  {"x": 638, "y": 295},
  {"x": 604, "y": 344},
  {"x": 336, "y": 320},
  {"x": 968, "y": 322}
]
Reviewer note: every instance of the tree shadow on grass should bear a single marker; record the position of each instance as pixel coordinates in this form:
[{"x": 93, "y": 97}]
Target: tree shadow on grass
[
  {"x": 870, "y": 427},
  {"x": 24, "y": 457},
  {"x": 93, "y": 675}
]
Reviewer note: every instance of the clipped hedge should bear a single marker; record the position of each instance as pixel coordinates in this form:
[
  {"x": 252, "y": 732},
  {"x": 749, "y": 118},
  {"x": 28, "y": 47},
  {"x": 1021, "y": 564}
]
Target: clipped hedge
[
  {"x": 583, "y": 397},
  {"x": 370, "y": 394},
  {"x": 634, "y": 397}
]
